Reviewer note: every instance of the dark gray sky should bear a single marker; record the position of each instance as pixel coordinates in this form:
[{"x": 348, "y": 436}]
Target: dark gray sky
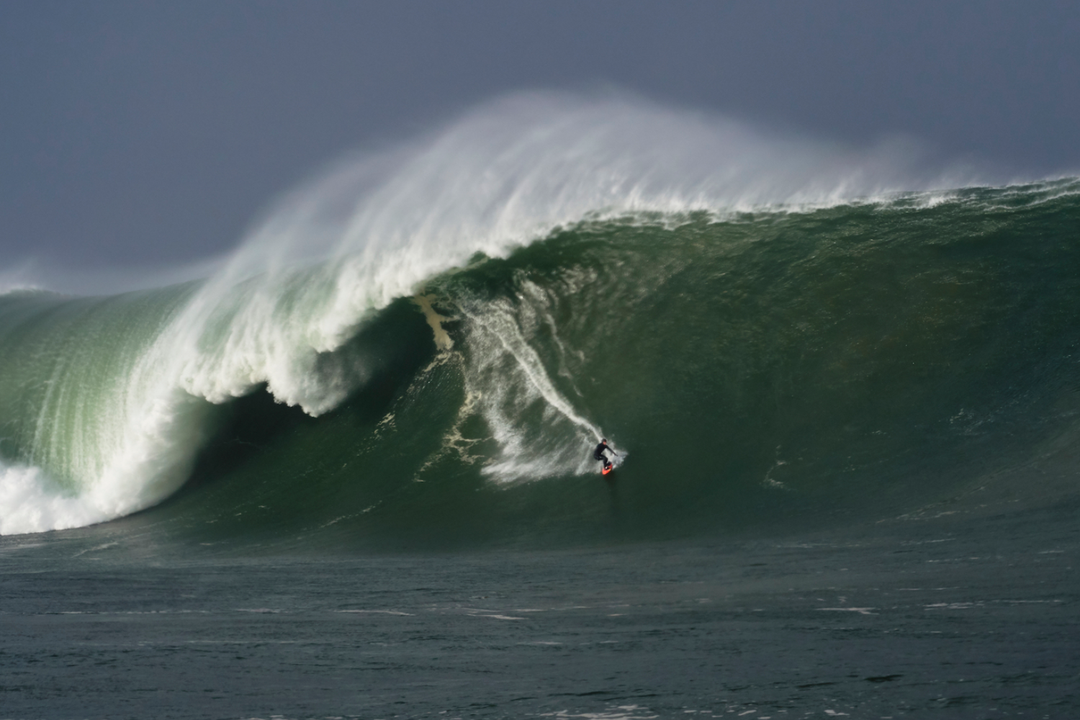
[{"x": 146, "y": 133}]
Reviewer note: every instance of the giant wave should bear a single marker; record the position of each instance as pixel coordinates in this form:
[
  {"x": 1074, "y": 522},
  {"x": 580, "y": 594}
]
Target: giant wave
[{"x": 424, "y": 344}]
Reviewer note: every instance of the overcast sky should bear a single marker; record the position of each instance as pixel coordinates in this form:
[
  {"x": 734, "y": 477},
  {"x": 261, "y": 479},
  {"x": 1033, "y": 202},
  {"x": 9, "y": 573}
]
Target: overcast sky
[{"x": 149, "y": 133}]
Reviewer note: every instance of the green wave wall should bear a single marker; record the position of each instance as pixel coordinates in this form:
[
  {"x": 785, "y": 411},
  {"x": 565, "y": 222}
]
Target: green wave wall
[{"x": 758, "y": 370}]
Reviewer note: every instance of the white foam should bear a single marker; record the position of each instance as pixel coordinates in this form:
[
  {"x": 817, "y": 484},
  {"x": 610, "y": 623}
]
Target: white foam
[
  {"x": 32, "y": 502},
  {"x": 150, "y": 459}
]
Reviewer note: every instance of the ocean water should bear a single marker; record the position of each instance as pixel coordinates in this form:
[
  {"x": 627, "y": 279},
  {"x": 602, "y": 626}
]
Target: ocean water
[{"x": 350, "y": 475}]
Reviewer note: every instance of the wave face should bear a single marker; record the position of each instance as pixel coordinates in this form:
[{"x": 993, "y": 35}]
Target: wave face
[{"x": 424, "y": 346}]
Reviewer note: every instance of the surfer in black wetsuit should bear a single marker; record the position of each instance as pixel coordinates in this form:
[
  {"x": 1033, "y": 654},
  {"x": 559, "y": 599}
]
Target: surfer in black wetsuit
[{"x": 598, "y": 453}]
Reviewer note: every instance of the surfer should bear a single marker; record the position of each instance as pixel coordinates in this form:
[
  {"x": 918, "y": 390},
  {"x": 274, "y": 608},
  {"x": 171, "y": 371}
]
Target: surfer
[{"x": 599, "y": 456}]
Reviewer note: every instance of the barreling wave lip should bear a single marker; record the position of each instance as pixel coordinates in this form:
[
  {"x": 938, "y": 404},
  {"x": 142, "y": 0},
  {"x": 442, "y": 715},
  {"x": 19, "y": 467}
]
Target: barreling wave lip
[{"x": 120, "y": 431}]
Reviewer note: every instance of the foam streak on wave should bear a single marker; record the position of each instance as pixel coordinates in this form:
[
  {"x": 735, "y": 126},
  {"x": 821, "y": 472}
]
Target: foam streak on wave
[{"x": 505, "y": 363}]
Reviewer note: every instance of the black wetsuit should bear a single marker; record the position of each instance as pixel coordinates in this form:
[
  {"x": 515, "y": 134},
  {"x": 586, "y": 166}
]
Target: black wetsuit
[{"x": 598, "y": 453}]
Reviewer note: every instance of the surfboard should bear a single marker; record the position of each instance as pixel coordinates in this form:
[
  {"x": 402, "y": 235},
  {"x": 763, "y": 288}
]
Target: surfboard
[{"x": 606, "y": 470}]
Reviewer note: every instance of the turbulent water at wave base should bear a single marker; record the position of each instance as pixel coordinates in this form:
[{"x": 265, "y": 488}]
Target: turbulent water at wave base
[{"x": 418, "y": 352}]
